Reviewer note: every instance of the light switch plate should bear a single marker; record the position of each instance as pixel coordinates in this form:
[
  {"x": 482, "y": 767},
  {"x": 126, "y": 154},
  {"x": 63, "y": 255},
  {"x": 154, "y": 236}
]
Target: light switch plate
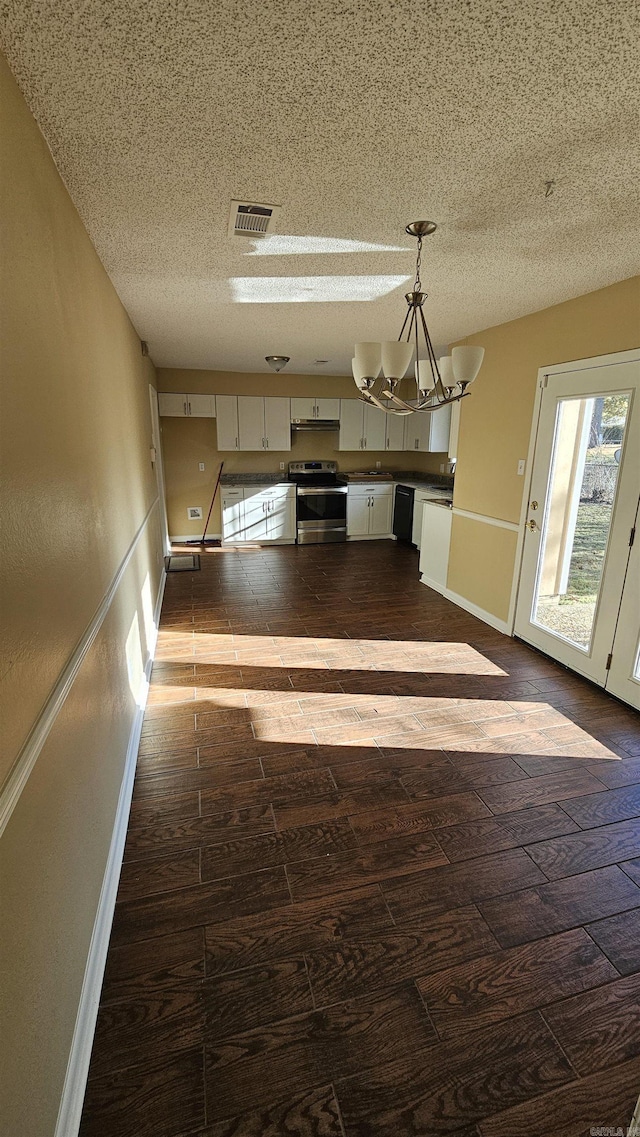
[
  {"x": 201, "y": 467},
  {"x": 521, "y": 465}
]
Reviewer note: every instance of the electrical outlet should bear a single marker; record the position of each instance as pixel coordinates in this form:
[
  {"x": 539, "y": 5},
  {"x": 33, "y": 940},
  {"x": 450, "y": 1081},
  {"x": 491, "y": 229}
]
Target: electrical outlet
[
  {"x": 521, "y": 465},
  {"x": 282, "y": 465},
  {"x": 377, "y": 465},
  {"x": 194, "y": 513},
  {"x": 201, "y": 467}
]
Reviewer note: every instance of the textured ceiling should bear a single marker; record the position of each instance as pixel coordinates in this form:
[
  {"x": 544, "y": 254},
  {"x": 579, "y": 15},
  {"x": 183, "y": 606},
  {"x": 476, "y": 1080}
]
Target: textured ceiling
[{"x": 355, "y": 116}]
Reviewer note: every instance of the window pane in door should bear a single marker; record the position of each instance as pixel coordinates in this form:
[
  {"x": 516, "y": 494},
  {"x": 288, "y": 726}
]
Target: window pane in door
[{"x": 587, "y": 447}]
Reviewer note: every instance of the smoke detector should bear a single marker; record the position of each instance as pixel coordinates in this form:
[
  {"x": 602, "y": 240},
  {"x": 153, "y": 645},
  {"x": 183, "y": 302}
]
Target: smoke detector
[
  {"x": 277, "y": 362},
  {"x": 249, "y": 219}
]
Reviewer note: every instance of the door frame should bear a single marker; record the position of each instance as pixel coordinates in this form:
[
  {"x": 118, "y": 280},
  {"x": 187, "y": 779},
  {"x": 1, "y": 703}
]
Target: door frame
[{"x": 544, "y": 373}]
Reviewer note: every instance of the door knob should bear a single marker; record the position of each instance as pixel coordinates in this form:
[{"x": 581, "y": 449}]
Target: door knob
[{"x": 532, "y": 525}]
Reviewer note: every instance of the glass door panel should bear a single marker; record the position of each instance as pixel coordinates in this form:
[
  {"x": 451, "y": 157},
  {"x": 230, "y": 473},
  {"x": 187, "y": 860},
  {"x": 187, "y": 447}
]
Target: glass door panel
[{"x": 589, "y": 435}]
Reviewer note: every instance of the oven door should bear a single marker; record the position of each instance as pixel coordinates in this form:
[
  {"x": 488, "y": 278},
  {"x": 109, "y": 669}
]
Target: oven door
[{"x": 322, "y": 514}]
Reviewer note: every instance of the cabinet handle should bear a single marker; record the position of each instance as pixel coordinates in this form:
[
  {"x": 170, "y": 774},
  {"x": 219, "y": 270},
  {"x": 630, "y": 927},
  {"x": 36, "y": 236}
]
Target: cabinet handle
[
  {"x": 236, "y": 443},
  {"x": 189, "y": 405},
  {"x": 266, "y": 442},
  {"x": 185, "y": 407},
  {"x": 365, "y": 445},
  {"x": 415, "y": 447}
]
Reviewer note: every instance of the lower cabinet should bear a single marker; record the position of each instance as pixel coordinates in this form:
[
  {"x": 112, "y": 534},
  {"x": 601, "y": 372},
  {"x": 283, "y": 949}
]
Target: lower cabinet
[
  {"x": 256, "y": 515},
  {"x": 434, "y": 545},
  {"x": 369, "y": 510}
]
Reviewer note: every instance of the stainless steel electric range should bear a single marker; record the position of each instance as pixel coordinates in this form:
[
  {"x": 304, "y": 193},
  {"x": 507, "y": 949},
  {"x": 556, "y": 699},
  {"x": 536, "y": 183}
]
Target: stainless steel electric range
[{"x": 321, "y": 502}]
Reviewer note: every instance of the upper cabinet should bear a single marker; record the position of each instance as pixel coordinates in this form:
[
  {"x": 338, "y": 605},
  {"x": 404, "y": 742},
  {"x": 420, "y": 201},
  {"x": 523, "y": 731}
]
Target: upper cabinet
[
  {"x": 395, "y": 432},
  {"x": 312, "y": 408},
  {"x": 252, "y": 422},
  {"x": 361, "y": 427},
  {"x": 186, "y": 406},
  {"x": 428, "y": 433}
]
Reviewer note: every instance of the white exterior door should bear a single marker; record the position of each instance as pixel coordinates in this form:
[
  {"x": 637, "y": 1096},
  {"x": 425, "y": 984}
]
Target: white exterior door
[
  {"x": 623, "y": 679},
  {"x": 374, "y": 428},
  {"x": 227, "y": 421},
  {"x": 351, "y": 424},
  {"x": 582, "y": 505},
  {"x": 251, "y": 422},
  {"x": 277, "y": 423},
  {"x": 159, "y": 467}
]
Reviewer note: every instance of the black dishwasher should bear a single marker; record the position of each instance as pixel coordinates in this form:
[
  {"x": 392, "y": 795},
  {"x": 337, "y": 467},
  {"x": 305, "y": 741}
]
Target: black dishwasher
[{"x": 403, "y": 513}]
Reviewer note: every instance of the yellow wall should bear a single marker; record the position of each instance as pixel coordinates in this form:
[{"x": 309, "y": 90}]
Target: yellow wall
[
  {"x": 77, "y": 485},
  {"x": 187, "y": 442},
  {"x": 495, "y": 422}
]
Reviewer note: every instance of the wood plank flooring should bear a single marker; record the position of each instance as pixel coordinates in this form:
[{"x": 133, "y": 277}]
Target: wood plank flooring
[{"x": 382, "y": 873}]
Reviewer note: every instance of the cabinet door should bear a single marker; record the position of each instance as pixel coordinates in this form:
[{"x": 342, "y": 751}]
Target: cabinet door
[
  {"x": 277, "y": 423},
  {"x": 251, "y": 422},
  {"x": 255, "y": 515},
  {"x": 416, "y": 530},
  {"x": 227, "y": 421},
  {"x": 303, "y": 408},
  {"x": 281, "y": 515},
  {"x": 439, "y": 430},
  {"x": 417, "y": 432},
  {"x": 232, "y": 516},
  {"x": 351, "y": 424},
  {"x": 436, "y": 538},
  {"x": 171, "y": 406},
  {"x": 201, "y": 406},
  {"x": 375, "y": 426},
  {"x": 380, "y": 512},
  {"x": 395, "y": 432},
  {"x": 357, "y": 514},
  {"x": 327, "y": 408}
]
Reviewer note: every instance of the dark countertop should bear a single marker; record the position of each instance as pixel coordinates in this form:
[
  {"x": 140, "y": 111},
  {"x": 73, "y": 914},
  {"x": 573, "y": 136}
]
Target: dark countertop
[{"x": 255, "y": 480}]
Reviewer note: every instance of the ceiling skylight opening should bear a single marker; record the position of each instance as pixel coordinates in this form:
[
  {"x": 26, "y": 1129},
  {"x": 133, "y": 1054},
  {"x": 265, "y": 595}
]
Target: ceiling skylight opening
[
  {"x": 283, "y": 245},
  {"x": 312, "y": 289}
]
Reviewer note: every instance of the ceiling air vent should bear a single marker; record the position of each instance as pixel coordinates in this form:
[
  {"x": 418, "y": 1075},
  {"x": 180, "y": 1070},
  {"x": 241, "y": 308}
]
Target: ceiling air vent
[{"x": 247, "y": 219}]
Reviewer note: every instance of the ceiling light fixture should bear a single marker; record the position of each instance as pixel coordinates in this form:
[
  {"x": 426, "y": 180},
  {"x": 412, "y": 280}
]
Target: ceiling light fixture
[
  {"x": 277, "y": 362},
  {"x": 436, "y": 386}
]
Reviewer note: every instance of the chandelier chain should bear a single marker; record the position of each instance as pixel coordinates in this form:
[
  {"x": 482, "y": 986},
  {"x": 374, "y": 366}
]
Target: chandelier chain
[{"x": 418, "y": 283}]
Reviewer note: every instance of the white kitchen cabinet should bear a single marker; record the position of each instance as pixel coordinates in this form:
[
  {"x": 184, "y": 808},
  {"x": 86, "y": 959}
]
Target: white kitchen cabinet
[
  {"x": 313, "y": 408},
  {"x": 277, "y": 423},
  {"x": 172, "y": 405},
  {"x": 227, "y": 422},
  {"x": 264, "y": 423},
  {"x": 361, "y": 427},
  {"x": 232, "y": 514},
  {"x": 395, "y": 432},
  {"x": 257, "y": 515},
  {"x": 428, "y": 433},
  {"x": 434, "y": 545},
  {"x": 252, "y": 422},
  {"x": 369, "y": 510}
]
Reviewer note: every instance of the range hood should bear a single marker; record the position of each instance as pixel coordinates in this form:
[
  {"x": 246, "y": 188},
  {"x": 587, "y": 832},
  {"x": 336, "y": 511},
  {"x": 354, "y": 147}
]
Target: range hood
[{"x": 315, "y": 424}]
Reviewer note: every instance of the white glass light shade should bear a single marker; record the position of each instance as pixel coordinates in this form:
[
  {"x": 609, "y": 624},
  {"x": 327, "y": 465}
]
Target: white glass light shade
[
  {"x": 445, "y": 368},
  {"x": 358, "y": 378},
  {"x": 396, "y": 357},
  {"x": 424, "y": 375},
  {"x": 466, "y": 362},
  {"x": 368, "y": 360}
]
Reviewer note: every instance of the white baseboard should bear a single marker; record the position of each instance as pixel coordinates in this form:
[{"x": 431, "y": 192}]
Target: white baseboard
[
  {"x": 473, "y": 609},
  {"x": 182, "y": 538},
  {"x": 75, "y": 1082}
]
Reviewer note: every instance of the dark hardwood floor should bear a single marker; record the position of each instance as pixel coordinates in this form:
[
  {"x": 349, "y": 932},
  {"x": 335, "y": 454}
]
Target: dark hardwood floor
[{"x": 382, "y": 874}]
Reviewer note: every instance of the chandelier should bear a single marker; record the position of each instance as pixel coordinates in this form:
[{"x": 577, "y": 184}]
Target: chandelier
[{"x": 438, "y": 383}]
